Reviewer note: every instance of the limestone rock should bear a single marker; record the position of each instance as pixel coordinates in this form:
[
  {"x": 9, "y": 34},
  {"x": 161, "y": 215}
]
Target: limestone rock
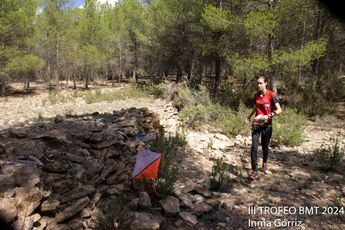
[
  {"x": 186, "y": 199},
  {"x": 200, "y": 208},
  {"x": 49, "y": 205},
  {"x": 18, "y": 133},
  {"x": 2, "y": 148},
  {"x": 189, "y": 218},
  {"x": 171, "y": 205},
  {"x": 145, "y": 221},
  {"x": 27, "y": 200},
  {"x": 144, "y": 200},
  {"x": 72, "y": 210},
  {"x": 8, "y": 209}
]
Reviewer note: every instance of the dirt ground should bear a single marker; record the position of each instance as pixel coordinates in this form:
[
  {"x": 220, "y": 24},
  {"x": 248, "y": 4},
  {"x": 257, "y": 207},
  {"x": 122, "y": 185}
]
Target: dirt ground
[{"x": 305, "y": 196}]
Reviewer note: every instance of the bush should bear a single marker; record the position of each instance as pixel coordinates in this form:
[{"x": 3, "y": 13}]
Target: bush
[
  {"x": 116, "y": 212},
  {"x": 288, "y": 128},
  {"x": 168, "y": 169},
  {"x": 55, "y": 97},
  {"x": 218, "y": 173},
  {"x": 329, "y": 156},
  {"x": 232, "y": 122},
  {"x": 154, "y": 89}
]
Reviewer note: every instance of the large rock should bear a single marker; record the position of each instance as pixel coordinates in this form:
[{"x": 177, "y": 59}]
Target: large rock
[
  {"x": 144, "y": 200},
  {"x": 72, "y": 210},
  {"x": 8, "y": 209},
  {"x": 27, "y": 200},
  {"x": 18, "y": 133},
  {"x": 186, "y": 200},
  {"x": 78, "y": 193},
  {"x": 145, "y": 221},
  {"x": 171, "y": 205}
]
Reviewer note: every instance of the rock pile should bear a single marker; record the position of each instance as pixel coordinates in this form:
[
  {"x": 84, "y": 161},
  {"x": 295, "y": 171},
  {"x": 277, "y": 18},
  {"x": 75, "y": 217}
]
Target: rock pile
[
  {"x": 189, "y": 203},
  {"x": 53, "y": 174}
]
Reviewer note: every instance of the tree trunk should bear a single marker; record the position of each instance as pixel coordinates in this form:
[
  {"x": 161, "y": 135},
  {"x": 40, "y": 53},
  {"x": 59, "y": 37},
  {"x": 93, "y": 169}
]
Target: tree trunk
[
  {"x": 179, "y": 74},
  {"x": 56, "y": 73},
  {"x": 217, "y": 77},
  {"x": 74, "y": 82}
]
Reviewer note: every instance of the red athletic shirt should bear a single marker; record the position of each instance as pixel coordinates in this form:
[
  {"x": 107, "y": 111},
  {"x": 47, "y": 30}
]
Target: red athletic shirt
[{"x": 265, "y": 103}]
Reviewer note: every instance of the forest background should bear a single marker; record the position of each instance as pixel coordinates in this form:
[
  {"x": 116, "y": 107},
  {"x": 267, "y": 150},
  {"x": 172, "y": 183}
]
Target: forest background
[{"x": 220, "y": 44}]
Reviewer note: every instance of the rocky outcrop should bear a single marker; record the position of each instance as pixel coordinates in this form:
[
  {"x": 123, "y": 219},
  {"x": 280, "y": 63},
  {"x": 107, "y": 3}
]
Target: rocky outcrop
[{"x": 54, "y": 173}]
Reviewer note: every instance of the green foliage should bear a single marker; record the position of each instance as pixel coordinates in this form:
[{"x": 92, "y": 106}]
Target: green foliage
[
  {"x": 89, "y": 56},
  {"x": 291, "y": 60},
  {"x": 218, "y": 19},
  {"x": 232, "y": 122},
  {"x": 193, "y": 105},
  {"x": 329, "y": 156},
  {"x": 248, "y": 66},
  {"x": 156, "y": 90},
  {"x": 338, "y": 201},
  {"x": 167, "y": 146},
  {"x": 218, "y": 174},
  {"x": 116, "y": 212},
  {"x": 54, "y": 97},
  {"x": 288, "y": 127},
  {"x": 258, "y": 24},
  {"x": 23, "y": 64},
  {"x": 196, "y": 109}
]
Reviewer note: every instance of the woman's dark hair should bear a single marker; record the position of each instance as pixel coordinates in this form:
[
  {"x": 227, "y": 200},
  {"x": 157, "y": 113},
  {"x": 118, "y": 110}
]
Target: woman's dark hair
[{"x": 262, "y": 76}]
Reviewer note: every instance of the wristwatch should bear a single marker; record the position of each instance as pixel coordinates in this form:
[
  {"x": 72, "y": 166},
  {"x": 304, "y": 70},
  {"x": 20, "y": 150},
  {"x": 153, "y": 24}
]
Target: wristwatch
[{"x": 273, "y": 114}]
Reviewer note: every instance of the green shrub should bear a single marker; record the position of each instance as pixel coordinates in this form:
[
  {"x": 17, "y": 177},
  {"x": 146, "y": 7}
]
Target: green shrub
[
  {"x": 338, "y": 200},
  {"x": 232, "y": 122},
  {"x": 194, "y": 116},
  {"x": 155, "y": 89},
  {"x": 55, "y": 97},
  {"x": 115, "y": 212},
  {"x": 218, "y": 173},
  {"x": 288, "y": 128},
  {"x": 329, "y": 156},
  {"x": 184, "y": 97},
  {"x": 167, "y": 146}
]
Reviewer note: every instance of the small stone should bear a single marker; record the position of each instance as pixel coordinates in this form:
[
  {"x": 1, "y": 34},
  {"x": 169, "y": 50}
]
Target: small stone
[
  {"x": 58, "y": 119},
  {"x": 49, "y": 205},
  {"x": 203, "y": 191},
  {"x": 144, "y": 200},
  {"x": 171, "y": 205},
  {"x": 2, "y": 148},
  {"x": 198, "y": 198},
  {"x": 200, "y": 208},
  {"x": 213, "y": 202},
  {"x": 189, "y": 218},
  {"x": 187, "y": 199},
  {"x": 145, "y": 221},
  {"x": 134, "y": 204},
  {"x": 187, "y": 188},
  {"x": 18, "y": 133},
  {"x": 222, "y": 225},
  {"x": 86, "y": 212}
]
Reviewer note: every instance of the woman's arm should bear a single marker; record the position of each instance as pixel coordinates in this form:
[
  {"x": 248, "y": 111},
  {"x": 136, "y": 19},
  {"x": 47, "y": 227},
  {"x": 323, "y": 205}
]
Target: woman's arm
[{"x": 277, "y": 111}]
